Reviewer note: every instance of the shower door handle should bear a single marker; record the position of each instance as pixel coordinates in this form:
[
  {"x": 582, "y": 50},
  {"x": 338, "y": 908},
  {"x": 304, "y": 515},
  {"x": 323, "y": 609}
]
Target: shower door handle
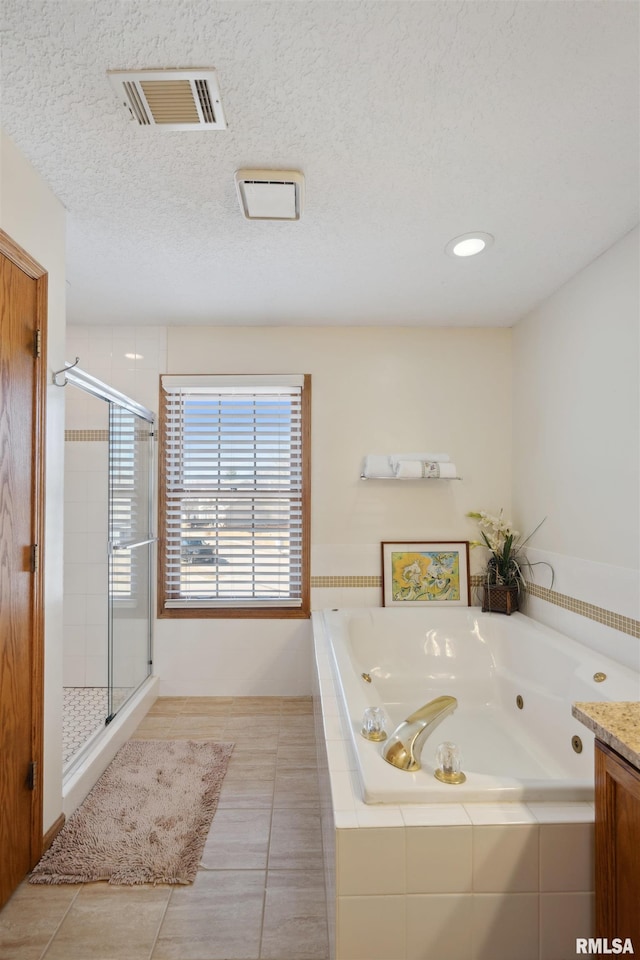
[{"x": 130, "y": 546}]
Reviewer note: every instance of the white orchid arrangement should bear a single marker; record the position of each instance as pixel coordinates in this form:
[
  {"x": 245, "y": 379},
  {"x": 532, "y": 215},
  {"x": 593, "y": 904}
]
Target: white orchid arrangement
[{"x": 507, "y": 565}]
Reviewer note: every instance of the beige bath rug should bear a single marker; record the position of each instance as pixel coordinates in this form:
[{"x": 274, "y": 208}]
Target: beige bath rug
[{"x": 146, "y": 819}]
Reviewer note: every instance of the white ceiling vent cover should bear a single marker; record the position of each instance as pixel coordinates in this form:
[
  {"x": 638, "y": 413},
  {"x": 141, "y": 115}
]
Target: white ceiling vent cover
[
  {"x": 171, "y": 99},
  {"x": 270, "y": 194}
]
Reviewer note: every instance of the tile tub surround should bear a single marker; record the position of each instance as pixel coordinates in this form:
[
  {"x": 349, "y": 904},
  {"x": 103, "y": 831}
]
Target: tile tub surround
[
  {"x": 457, "y": 882},
  {"x": 259, "y": 892}
]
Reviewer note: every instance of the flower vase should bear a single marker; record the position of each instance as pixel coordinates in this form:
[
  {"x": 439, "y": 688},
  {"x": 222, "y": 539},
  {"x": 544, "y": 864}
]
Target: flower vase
[{"x": 498, "y": 598}]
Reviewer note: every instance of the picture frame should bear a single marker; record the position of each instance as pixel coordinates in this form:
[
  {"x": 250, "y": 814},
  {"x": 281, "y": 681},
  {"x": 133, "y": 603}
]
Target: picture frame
[{"x": 420, "y": 572}]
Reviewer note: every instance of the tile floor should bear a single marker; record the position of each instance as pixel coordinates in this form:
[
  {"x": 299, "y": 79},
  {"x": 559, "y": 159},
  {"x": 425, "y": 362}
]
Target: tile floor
[{"x": 259, "y": 892}]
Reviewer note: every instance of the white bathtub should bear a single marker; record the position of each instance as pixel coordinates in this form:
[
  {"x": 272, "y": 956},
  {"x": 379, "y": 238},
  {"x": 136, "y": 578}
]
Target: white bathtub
[{"x": 486, "y": 661}]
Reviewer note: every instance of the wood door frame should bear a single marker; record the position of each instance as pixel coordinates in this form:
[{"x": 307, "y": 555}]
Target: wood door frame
[{"x": 12, "y": 251}]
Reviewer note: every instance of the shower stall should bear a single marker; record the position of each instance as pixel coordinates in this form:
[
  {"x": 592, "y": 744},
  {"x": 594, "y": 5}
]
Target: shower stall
[{"x": 109, "y": 544}]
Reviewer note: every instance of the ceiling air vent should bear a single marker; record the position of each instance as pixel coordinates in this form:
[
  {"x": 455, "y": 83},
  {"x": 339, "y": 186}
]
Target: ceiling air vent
[
  {"x": 171, "y": 99},
  {"x": 270, "y": 194}
]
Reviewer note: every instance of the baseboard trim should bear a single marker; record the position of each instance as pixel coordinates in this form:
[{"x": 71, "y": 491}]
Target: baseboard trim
[{"x": 53, "y": 832}]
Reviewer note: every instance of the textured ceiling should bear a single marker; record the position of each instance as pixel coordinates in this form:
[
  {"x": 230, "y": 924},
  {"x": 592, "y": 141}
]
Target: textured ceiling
[{"x": 412, "y": 123}]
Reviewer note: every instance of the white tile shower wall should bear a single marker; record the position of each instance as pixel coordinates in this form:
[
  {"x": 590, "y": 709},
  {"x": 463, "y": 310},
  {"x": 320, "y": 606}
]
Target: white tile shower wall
[
  {"x": 85, "y": 546},
  {"x": 130, "y": 359}
]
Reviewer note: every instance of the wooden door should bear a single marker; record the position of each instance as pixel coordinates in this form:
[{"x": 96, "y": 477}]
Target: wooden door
[{"x": 22, "y": 303}]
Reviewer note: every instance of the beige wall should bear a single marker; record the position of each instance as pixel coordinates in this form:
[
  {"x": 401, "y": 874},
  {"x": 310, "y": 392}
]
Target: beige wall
[
  {"x": 383, "y": 390},
  {"x": 35, "y": 219},
  {"x": 573, "y": 453},
  {"x": 374, "y": 390},
  {"x": 576, "y": 446}
]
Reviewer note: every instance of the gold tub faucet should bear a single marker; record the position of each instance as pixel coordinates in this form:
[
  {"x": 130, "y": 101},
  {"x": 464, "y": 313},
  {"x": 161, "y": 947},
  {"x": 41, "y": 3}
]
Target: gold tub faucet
[{"x": 407, "y": 740}]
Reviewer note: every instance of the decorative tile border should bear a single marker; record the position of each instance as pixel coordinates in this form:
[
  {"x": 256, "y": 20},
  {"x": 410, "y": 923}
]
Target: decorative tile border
[
  {"x": 346, "y": 581},
  {"x": 103, "y": 435},
  {"x": 607, "y": 617},
  {"x": 476, "y": 580},
  {"x": 75, "y": 435}
]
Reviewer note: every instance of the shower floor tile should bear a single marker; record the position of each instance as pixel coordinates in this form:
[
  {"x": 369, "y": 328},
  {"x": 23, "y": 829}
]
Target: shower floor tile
[{"x": 84, "y": 712}]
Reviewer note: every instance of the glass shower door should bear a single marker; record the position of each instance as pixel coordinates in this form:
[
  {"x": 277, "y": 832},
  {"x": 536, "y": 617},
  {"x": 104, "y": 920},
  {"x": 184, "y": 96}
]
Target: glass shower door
[{"x": 130, "y": 544}]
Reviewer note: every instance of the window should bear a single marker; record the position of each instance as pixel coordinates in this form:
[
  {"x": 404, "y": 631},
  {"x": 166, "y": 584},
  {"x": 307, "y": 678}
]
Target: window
[{"x": 234, "y": 496}]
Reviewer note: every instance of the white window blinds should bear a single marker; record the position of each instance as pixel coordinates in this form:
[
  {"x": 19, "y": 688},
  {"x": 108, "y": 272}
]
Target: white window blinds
[{"x": 233, "y": 509}]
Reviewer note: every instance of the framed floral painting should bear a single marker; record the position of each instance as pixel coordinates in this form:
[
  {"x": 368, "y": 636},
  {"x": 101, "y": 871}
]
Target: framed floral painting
[{"x": 417, "y": 572}]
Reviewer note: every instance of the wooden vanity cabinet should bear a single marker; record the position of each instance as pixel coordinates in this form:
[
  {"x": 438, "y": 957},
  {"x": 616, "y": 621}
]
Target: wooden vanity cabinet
[{"x": 617, "y": 846}]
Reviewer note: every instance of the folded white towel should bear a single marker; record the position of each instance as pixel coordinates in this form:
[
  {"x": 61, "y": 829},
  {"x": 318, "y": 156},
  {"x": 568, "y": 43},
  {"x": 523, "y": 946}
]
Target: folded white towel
[
  {"x": 417, "y": 469},
  {"x": 447, "y": 471},
  {"x": 376, "y": 466}
]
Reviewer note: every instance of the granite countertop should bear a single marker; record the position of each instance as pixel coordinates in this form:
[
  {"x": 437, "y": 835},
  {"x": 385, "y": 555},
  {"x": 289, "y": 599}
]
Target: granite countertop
[{"x": 616, "y": 724}]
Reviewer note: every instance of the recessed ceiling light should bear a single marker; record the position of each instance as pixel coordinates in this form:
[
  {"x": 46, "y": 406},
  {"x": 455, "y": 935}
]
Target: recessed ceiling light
[{"x": 469, "y": 244}]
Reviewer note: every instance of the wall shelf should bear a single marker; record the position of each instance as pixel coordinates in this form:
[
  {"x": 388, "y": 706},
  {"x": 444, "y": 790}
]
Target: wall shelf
[
  {"x": 410, "y": 479},
  {"x": 408, "y": 466}
]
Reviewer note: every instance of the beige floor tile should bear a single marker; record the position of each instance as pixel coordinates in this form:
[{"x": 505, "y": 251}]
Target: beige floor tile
[
  {"x": 297, "y": 706},
  {"x": 108, "y": 922},
  {"x": 238, "y": 840},
  {"x": 254, "y": 748},
  {"x": 296, "y": 789},
  {"x": 161, "y": 733},
  {"x": 296, "y": 840},
  {"x": 167, "y": 707},
  {"x": 207, "y": 706},
  {"x": 158, "y": 727},
  {"x": 256, "y": 707},
  {"x": 251, "y": 728},
  {"x": 295, "y": 925},
  {"x": 292, "y": 734},
  {"x": 292, "y": 727},
  {"x": 218, "y": 918},
  {"x": 199, "y": 728},
  {"x": 249, "y": 766},
  {"x": 257, "y": 746},
  {"x": 306, "y": 740},
  {"x": 31, "y": 917},
  {"x": 296, "y": 756},
  {"x": 246, "y": 794}
]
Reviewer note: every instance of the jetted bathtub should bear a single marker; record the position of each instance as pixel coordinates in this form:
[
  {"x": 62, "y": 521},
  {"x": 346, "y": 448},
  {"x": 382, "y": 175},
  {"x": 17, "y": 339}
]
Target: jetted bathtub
[{"x": 515, "y": 681}]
